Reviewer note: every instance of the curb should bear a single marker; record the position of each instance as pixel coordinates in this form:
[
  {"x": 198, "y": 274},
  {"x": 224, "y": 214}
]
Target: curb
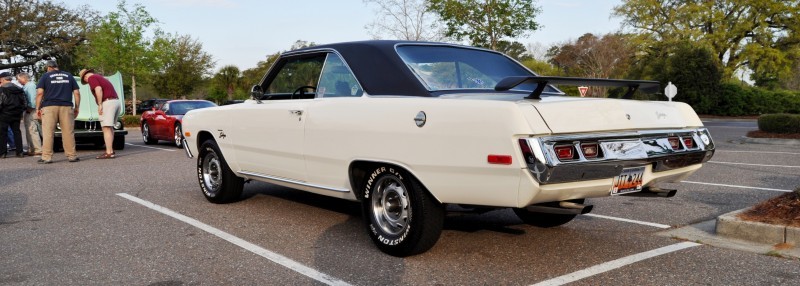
[
  {"x": 772, "y": 141},
  {"x": 731, "y": 226}
]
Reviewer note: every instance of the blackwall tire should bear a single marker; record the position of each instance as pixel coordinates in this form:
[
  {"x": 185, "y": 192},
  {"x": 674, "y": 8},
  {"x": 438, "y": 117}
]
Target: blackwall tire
[
  {"x": 401, "y": 217},
  {"x": 545, "y": 220},
  {"x": 218, "y": 183},
  {"x": 146, "y": 136}
]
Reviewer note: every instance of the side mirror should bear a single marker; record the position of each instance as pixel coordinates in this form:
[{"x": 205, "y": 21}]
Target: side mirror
[{"x": 256, "y": 93}]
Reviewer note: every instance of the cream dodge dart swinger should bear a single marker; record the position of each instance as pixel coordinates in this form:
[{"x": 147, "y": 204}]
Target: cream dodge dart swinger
[{"x": 407, "y": 128}]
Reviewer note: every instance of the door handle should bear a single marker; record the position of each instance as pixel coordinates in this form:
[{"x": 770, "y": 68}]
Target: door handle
[{"x": 296, "y": 112}]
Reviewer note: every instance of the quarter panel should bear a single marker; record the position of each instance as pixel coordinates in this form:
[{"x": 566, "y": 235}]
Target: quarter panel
[{"x": 448, "y": 154}]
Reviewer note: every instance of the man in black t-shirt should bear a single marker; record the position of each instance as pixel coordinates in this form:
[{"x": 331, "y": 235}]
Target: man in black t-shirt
[{"x": 54, "y": 105}]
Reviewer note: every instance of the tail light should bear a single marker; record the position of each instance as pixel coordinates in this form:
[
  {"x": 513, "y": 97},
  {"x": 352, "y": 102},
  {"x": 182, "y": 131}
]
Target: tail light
[
  {"x": 674, "y": 142},
  {"x": 590, "y": 150},
  {"x": 564, "y": 152},
  {"x": 527, "y": 153},
  {"x": 688, "y": 142}
]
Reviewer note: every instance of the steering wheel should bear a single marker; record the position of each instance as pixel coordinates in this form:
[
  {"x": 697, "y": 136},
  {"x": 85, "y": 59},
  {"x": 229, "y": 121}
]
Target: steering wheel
[{"x": 301, "y": 89}]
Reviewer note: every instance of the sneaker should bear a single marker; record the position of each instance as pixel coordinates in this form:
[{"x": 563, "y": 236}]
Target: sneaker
[
  {"x": 73, "y": 160},
  {"x": 42, "y": 161},
  {"x": 106, "y": 156}
]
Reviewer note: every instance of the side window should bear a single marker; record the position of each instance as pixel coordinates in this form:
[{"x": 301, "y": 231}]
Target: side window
[
  {"x": 337, "y": 80},
  {"x": 296, "y": 73}
]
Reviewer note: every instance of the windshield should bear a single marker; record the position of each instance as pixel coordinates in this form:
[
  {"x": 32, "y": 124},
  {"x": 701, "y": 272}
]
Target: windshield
[
  {"x": 180, "y": 108},
  {"x": 453, "y": 68}
]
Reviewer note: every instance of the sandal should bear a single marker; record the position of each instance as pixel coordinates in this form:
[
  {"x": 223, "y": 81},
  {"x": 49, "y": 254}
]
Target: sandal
[{"x": 106, "y": 156}]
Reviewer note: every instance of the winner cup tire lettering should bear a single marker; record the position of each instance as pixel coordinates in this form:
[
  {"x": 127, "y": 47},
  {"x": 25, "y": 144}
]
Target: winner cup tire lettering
[
  {"x": 401, "y": 217},
  {"x": 218, "y": 183}
]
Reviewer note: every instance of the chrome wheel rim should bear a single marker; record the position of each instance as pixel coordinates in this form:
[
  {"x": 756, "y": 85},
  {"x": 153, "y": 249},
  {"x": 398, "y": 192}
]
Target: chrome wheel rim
[
  {"x": 390, "y": 205},
  {"x": 178, "y": 136},
  {"x": 212, "y": 178},
  {"x": 146, "y": 133}
]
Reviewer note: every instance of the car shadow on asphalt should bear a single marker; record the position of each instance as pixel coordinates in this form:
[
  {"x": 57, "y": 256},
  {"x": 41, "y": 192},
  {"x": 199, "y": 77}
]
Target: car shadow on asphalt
[{"x": 499, "y": 220}]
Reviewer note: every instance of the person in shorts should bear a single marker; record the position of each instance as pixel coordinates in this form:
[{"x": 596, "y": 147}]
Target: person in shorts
[{"x": 108, "y": 106}]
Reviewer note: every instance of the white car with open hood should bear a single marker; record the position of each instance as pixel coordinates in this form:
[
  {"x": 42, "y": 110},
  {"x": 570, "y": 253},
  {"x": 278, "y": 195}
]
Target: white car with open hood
[{"x": 407, "y": 128}]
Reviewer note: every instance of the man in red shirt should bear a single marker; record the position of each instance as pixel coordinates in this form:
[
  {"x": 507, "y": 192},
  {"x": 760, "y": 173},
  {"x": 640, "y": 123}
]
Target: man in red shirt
[{"x": 108, "y": 106}]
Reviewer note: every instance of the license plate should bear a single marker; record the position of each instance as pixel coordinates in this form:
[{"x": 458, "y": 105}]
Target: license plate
[{"x": 629, "y": 181}]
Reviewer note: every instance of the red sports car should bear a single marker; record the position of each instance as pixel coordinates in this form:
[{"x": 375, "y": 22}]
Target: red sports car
[{"x": 163, "y": 122}]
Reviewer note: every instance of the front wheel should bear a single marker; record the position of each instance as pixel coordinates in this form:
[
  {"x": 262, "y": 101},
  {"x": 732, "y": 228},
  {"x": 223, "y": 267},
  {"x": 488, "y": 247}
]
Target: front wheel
[
  {"x": 402, "y": 218},
  {"x": 147, "y": 137},
  {"x": 545, "y": 220},
  {"x": 218, "y": 183},
  {"x": 178, "y": 136}
]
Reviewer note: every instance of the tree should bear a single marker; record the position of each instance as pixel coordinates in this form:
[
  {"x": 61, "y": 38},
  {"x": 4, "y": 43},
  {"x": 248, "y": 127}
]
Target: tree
[
  {"x": 183, "y": 64},
  {"x": 608, "y": 56},
  {"x": 118, "y": 44},
  {"x": 486, "y": 22},
  {"x": 228, "y": 78},
  {"x": 404, "y": 20},
  {"x": 40, "y": 29},
  {"x": 755, "y": 34},
  {"x": 515, "y": 50}
]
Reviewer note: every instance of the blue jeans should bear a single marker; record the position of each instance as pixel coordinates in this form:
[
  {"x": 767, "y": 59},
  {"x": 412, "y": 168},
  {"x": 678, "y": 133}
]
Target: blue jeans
[{"x": 10, "y": 138}]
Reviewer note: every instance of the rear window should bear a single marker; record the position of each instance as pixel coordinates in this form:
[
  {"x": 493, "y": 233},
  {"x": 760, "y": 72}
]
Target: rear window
[
  {"x": 442, "y": 68},
  {"x": 181, "y": 108}
]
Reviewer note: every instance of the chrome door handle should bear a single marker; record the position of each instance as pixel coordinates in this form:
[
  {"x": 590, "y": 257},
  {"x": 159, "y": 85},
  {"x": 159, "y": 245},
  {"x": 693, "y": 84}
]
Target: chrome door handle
[{"x": 296, "y": 112}]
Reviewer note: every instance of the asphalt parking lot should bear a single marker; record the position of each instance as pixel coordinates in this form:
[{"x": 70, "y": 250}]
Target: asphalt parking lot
[{"x": 141, "y": 219}]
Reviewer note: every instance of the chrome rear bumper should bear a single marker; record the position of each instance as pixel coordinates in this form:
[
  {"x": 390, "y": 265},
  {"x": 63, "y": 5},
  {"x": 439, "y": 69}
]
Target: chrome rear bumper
[{"x": 617, "y": 151}]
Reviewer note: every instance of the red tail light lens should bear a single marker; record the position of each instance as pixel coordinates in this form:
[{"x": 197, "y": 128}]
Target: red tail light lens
[
  {"x": 674, "y": 142},
  {"x": 688, "y": 142},
  {"x": 499, "y": 159},
  {"x": 590, "y": 150},
  {"x": 564, "y": 152}
]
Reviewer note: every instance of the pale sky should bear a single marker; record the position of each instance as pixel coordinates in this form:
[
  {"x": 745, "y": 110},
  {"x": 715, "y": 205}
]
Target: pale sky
[{"x": 243, "y": 32}]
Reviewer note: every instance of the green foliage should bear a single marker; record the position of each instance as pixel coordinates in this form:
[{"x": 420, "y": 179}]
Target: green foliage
[
  {"x": 183, "y": 64},
  {"x": 696, "y": 73},
  {"x": 228, "y": 78},
  {"x": 541, "y": 67},
  {"x": 131, "y": 120},
  {"x": 779, "y": 123},
  {"x": 736, "y": 99},
  {"x": 515, "y": 50},
  {"x": 486, "y": 22},
  {"x": 754, "y": 33},
  {"x": 40, "y": 29}
]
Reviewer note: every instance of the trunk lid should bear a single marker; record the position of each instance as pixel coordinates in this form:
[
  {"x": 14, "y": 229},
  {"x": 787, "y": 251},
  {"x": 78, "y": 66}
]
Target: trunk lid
[{"x": 577, "y": 115}]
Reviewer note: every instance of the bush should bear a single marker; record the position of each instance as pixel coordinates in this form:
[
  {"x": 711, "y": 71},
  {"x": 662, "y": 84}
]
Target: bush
[
  {"x": 779, "y": 123},
  {"x": 736, "y": 99},
  {"x": 131, "y": 120}
]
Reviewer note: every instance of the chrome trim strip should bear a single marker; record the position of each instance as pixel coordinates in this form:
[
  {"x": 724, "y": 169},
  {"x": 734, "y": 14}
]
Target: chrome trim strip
[
  {"x": 290, "y": 181},
  {"x": 186, "y": 148}
]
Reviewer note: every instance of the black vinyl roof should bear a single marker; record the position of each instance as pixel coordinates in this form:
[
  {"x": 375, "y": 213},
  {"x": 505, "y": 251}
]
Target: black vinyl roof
[{"x": 377, "y": 66}]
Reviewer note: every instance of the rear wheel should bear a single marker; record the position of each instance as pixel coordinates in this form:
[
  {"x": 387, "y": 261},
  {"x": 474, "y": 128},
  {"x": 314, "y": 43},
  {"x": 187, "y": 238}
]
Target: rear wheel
[
  {"x": 146, "y": 134},
  {"x": 178, "y": 135},
  {"x": 218, "y": 183},
  {"x": 402, "y": 218},
  {"x": 545, "y": 219}
]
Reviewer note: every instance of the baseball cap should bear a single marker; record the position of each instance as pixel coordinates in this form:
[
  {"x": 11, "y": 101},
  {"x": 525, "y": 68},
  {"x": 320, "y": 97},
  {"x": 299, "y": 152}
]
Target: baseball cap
[{"x": 5, "y": 74}]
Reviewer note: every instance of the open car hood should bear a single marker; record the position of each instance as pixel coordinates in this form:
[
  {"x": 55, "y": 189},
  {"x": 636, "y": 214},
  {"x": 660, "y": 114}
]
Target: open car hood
[{"x": 564, "y": 114}]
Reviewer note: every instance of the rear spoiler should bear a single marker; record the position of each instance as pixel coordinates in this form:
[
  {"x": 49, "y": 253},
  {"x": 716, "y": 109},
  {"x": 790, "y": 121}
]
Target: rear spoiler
[{"x": 647, "y": 86}]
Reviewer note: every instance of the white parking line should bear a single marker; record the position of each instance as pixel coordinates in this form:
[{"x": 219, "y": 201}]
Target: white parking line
[
  {"x": 658, "y": 225},
  {"x": 759, "y": 152},
  {"x": 735, "y": 186},
  {"x": 614, "y": 264},
  {"x": 274, "y": 257},
  {"x": 759, "y": 165},
  {"x": 171, "y": 150}
]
